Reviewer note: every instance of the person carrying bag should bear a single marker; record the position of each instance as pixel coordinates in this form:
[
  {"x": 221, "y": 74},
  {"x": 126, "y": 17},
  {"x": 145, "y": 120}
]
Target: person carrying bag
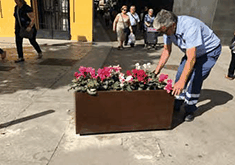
[
  {"x": 25, "y": 28},
  {"x": 135, "y": 20},
  {"x": 24, "y": 33},
  {"x": 121, "y": 26}
]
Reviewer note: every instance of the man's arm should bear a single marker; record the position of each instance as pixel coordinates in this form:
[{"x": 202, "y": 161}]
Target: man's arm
[
  {"x": 164, "y": 58},
  {"x": 191, "y": 60}
]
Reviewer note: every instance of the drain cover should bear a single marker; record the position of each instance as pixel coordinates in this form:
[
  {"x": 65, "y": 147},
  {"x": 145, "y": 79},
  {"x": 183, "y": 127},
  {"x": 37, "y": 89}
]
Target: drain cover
[
  {"x": 6, "y": 68},
  {"x": 60, "y": 62}
]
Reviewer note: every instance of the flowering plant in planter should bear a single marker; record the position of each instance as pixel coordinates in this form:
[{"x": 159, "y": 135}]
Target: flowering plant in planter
[{"x": 111, "y": 78}]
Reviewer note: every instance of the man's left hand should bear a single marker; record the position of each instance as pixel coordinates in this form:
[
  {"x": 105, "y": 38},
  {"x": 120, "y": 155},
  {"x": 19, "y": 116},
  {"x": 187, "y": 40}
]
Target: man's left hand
[
  {"x": 28, "y": 29},
  {"x": 178, "y": 88}
]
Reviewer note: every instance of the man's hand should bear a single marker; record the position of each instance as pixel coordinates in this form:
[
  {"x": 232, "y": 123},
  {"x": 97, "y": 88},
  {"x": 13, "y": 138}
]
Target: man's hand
[
  {"x": 156, "y": 72},
  {"x": 28, "y": 29},
  {"x": 178, "y": 88}
]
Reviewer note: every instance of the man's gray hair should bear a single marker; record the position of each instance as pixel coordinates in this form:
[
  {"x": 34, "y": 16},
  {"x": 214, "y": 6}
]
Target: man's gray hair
[
  {"x": 132, "y": 6},
  {"x": 164, "y": 18}
]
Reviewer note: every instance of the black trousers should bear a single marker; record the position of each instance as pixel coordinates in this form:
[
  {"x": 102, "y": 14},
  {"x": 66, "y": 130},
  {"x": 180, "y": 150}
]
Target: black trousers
[
  {"x": 19, "y": 43},
  {"x": 232, "y": 65},
  {"x": 134, "y": 28}
]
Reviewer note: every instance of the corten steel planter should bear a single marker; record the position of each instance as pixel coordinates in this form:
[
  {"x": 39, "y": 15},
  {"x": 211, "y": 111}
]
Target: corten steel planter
[{"x": 119, "y": 111}]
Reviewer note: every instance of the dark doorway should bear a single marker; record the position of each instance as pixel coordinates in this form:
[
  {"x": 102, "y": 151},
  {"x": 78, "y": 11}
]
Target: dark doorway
[
  {"x": 53, "y": 19},
  {"x": 157, "y": 5}
]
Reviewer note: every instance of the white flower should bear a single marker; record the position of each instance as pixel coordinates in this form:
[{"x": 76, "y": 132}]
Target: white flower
[
  {"x": 129, "y": 78},
  {"x": 137, "y": 66},
  {"x": 121, "y": 85},
  {"x": 145, "y": 66},
  {"x": 148, "y": 65}
]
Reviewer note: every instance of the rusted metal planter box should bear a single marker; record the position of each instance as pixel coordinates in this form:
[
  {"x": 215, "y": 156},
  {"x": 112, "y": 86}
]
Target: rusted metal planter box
[{"x": 119, "y": 111}]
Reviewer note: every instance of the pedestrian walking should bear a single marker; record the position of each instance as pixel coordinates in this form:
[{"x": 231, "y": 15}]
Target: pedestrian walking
[
  {"x": 134, "y": 19},
  {"x": 231, "y": 68},
  {"x": 25, "y": 26},
  {"x": 122, "y": 25},
  {"x": 3, "y": 54},
  {"x": 148, "y": 22},
  {"x": 202, "y": 48}
]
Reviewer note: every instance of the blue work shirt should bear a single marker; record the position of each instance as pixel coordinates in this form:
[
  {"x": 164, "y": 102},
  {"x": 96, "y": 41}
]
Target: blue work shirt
[
  {"x": 134, "y": 18},
  {"x": 191, "y": 32}
]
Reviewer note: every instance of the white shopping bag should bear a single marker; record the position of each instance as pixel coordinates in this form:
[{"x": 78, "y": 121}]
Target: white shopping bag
[{"x": 131, "y": 39}]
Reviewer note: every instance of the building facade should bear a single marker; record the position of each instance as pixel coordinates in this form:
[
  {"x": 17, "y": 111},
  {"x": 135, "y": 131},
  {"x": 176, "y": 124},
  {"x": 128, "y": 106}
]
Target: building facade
[{"x": 55, "y": 19}]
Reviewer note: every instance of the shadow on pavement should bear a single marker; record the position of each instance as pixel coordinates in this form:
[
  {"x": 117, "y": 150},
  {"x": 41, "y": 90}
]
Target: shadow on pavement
[
  {"x": 21, "y": 120},
  {"x": 215, "y": 98}
]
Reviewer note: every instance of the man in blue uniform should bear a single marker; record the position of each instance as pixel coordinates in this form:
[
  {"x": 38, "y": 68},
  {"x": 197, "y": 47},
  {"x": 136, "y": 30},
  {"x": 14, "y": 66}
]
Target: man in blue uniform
[{"x": 202, "y": 49}]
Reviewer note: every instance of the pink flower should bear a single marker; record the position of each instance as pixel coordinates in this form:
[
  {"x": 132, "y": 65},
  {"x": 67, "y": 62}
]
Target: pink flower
[
  {"x": 135, "y": 71},
  {"x": 168, "y": 87},
  {"x": 117, "y": 68},
  {"x": 141, "y": 75},
  {"x": 89, "y": 69},
  {"x": 169, "y": 81},
  {"x": 128, "y": 73},
  {"x": 76, "y": 74},
  {"x": 104, "y": 73},
  {"x": 82, "y": 69},
  {"x": 163, "y": 77}
]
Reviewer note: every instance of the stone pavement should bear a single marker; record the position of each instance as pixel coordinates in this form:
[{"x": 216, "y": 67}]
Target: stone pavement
[{"x": 37, "y": 113}]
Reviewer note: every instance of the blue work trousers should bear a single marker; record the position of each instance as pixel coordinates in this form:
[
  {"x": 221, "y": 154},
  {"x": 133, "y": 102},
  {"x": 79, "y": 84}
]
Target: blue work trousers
[{"x": 201, "y": 70}]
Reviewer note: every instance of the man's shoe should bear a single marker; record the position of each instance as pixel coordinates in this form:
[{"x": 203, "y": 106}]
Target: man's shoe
[
  {"x": 19, "y": 60},
  {"x": 189, "y": 117}
]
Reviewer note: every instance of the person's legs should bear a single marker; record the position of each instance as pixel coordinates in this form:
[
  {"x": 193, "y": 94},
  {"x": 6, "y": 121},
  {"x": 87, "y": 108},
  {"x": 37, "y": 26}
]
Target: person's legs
[
  {"x": 127, "y": 37},
  {"x": 200, "y": 72},
  {"x": 145, "y": 38},
  {"x": 3, "y": 54},
  {"x": 34, "y": 43},
  {"x": 19, "y": 46},
  {"x": 1, "y": 51},
  {"x": 231, "y": 66},
  {"x": 134, "y": 28}
]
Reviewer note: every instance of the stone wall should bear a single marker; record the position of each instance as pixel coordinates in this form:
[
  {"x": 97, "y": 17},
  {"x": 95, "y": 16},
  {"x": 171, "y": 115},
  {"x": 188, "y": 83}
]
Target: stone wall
[{"x": 217, "y": 14}]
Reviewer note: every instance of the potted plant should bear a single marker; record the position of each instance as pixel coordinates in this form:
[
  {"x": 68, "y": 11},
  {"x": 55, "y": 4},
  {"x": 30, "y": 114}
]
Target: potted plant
[{"x": 111, "y": 101}]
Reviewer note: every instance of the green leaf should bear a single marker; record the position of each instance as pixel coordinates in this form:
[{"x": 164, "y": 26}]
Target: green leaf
[
  {"x": 128, "y": 88},
  {"x": 140, "y": 89}
]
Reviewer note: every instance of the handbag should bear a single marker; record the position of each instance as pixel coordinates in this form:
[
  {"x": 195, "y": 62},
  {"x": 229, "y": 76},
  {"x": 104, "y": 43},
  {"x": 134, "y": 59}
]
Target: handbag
[
  {"x": 126, "y": 29},
  {"x": 23, "y": 32}
]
